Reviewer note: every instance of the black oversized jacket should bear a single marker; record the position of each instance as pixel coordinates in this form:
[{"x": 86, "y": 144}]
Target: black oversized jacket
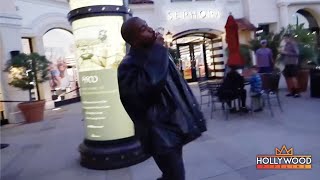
[{"x": 158, "y": 100}]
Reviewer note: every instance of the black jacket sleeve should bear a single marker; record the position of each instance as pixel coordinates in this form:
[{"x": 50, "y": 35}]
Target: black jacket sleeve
[{"x": 142, "y": 81}]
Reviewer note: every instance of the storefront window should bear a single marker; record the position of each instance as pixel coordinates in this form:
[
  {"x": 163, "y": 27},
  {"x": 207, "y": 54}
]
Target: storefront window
[
  {"x": 200, "y": 57},
  {"x": 60, "y": 50}
]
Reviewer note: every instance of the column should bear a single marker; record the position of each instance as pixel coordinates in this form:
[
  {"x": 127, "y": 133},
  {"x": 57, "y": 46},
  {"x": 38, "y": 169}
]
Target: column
[
  {"x": 284, "y": 14},
  {"x": 10, "y": 40},
  {"x": 109, "y": 141},
  {"x": 44, "y": 88}
]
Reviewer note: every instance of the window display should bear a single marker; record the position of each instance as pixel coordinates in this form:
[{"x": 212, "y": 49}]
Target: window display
[{"x": 60, "y": 50}]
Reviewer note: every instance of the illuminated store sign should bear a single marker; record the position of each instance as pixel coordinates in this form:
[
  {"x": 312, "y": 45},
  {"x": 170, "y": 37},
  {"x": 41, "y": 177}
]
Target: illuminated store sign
[{"x": 187, "y": 15}]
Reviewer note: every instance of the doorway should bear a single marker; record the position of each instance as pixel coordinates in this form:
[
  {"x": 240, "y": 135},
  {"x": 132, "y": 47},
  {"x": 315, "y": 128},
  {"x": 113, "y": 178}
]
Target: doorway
[
  {"x": 308, "y": 19},
  {"x": 192, "y": 60},
  {"x": 200, "y": 54}
]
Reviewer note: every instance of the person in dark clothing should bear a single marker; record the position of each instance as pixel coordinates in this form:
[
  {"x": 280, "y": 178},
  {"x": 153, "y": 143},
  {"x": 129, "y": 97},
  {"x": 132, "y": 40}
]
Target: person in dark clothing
[
  {"x": 233, "y": 88},
  {"x": 162, "y": 106}
]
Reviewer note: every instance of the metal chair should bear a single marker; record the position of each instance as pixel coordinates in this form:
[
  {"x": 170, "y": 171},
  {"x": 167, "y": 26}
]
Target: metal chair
[
  {"x": 204, "y": 91},
  {"x": 270, "y": 90},
  {"x": 214, "y": 87},
  {"x": 257, "y": 97}
]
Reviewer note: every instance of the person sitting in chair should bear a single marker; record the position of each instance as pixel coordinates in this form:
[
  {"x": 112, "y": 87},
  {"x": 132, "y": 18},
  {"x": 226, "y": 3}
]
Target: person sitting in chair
[
  {"x": 255, "y": 89},
  {"x": 233, "y": 88}
]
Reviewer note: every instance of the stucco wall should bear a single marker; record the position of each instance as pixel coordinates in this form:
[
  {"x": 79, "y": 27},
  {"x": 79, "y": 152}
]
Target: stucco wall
[
  {"x": 41, "y": 16},
  {"x": 158, "y": 14},
  {"x": 313, "y": 10},
  {"x": 262, "y": 11}
]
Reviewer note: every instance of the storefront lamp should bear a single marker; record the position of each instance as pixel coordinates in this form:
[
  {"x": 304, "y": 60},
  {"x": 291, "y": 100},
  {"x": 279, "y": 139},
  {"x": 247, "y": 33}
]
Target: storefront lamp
[{"x": 168, "y": 39}]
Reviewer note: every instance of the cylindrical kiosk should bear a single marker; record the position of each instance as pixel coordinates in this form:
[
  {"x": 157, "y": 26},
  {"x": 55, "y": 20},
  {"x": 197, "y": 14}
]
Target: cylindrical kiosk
[{"x": 109, "y": 141}]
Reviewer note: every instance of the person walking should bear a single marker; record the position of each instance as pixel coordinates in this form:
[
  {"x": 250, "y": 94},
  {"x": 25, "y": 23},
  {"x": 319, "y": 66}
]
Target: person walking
[
  {"x": 264, "y": 58},
  {"x": 162, "y": 106},
  {"x": 290, "y": 55}
]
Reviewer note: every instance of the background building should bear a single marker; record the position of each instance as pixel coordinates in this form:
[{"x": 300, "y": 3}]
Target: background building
[{"x": 194, "y": 27}]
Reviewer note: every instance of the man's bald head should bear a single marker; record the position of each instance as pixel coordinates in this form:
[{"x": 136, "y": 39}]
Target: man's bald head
[
  {"x": 129, "y": 29},
  {"x": 136, "y": 32}
]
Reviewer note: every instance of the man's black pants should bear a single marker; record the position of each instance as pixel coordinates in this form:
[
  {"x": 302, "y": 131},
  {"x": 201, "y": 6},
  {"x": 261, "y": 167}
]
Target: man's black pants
[
  {"x": 171, "y": 164},
  {"x": 228, "y": 95}
]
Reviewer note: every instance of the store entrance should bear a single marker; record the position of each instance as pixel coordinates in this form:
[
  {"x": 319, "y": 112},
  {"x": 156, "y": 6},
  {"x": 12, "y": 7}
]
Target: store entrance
[
  {"x": 192, "y": 60},
  {"x": 200, "y": 54}
]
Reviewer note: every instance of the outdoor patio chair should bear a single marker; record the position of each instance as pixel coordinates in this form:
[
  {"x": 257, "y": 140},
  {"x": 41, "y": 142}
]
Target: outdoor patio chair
[
  {"x": 215, "y": 99},
  {"x": 270, "y": 90},
  {"x": 204, "y": 91}
]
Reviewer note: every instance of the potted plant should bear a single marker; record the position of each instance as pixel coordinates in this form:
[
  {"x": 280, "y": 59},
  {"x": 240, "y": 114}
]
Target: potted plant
[
  {"x": 25, "y": 72},
  {"x": 306, "y": 41}
]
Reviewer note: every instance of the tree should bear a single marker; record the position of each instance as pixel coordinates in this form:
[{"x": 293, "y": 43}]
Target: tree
[
  {"x": 306, "y": 41},
  {"x": 27, "y": 70}
]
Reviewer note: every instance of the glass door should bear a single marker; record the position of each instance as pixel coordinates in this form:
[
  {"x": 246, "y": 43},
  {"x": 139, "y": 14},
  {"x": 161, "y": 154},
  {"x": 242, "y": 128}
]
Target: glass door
[
  {"x": 198, "y": 60},
  {"x": 192, "y": 60},
  {"x": 185, "y": 60}
]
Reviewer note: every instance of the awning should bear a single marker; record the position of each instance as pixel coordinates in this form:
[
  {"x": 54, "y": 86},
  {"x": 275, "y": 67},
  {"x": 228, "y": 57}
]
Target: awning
[
  {"x": 201, "y": 32},
  {"x": 245, "y": 25}
]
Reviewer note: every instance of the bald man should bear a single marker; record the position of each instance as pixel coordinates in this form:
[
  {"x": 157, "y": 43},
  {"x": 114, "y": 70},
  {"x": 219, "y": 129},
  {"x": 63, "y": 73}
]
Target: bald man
[{"x": 157, "y": 98}]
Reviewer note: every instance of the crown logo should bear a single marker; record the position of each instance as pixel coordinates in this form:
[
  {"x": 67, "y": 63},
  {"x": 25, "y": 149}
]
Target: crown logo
[{"x": 284, "y": 151}]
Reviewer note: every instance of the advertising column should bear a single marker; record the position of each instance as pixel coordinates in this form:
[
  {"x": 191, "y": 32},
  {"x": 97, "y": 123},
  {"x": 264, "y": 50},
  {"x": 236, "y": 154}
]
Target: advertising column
[{"x": 109, "y": 141}]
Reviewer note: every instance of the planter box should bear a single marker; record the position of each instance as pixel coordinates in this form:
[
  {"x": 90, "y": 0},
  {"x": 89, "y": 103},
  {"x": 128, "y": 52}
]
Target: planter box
[
  {"x": 315, "y": 83},
  {"x": 32, "y": 111}
]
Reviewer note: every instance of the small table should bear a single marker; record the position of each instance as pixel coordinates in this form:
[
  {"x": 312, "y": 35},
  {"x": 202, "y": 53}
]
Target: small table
[{"x": 214, "y": 85}]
